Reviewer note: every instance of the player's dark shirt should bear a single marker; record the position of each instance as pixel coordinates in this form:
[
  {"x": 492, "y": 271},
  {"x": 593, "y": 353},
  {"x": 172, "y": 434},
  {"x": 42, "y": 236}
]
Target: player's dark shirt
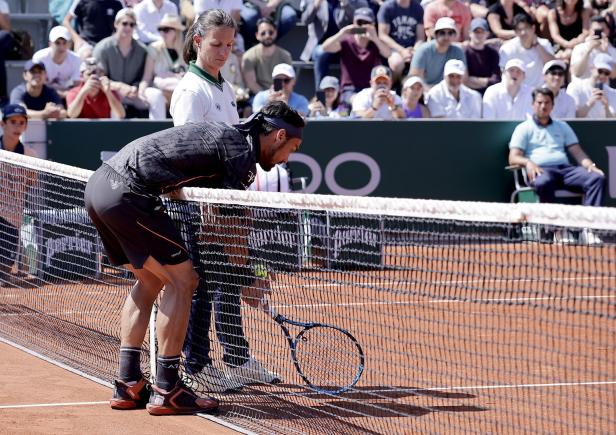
[{"x": 205, "y": 154}]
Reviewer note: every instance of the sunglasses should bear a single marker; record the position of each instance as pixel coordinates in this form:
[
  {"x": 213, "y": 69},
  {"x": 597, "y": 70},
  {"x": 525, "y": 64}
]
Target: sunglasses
[
  {"x": 285, "y": 80},
  {"x": 604, "y": 72},
  {"x": 128, "y": 24},
  {"x": 165, "y": 29},
  {"x": 267, "y": 33},
  {"x": 445, "y": 33},
  {"x": 363, "y": 23},
  {"x": 556, "y": 72}
]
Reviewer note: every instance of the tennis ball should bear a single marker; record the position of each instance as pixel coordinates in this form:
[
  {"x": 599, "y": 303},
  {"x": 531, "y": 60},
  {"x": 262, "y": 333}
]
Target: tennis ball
[{"x": 260, "y": 270}]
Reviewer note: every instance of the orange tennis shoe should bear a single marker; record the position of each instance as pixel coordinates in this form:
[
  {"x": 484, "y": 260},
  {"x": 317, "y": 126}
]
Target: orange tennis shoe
[
  {"x": 179, "y": 400},
  {"x": 130, "y": 395}
]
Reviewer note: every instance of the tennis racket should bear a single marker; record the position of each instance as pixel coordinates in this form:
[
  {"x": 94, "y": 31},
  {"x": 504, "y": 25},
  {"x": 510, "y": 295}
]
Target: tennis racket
[{"x": 329, "y": 359}]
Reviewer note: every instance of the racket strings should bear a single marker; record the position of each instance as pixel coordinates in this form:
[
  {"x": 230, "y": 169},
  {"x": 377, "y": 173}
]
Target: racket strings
[{"x": 328, "y": 358}]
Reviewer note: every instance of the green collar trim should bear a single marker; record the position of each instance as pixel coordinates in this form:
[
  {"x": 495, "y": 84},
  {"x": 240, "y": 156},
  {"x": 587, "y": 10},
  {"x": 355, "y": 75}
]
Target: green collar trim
[{"x": 192, "y": 67}]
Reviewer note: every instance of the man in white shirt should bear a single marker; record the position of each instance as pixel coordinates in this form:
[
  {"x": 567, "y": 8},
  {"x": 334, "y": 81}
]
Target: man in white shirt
[
  {"x": 593, "y": 96},
  {"x": 532, "y": 50},
  {"x": 597, "y": 42},
  {"x": 149, "y": 14},
  {"x": 450, "y": 98},
  {"x": 378, "y": 101},
  {"x": 511, "y": 98},
  {"x": 554, "y": 78},
  {"x": 62, "y": 64}
]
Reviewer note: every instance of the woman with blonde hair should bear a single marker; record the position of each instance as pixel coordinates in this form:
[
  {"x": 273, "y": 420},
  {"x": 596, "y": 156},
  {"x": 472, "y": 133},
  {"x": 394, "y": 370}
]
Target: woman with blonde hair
[{"x": 165, "y": 66}]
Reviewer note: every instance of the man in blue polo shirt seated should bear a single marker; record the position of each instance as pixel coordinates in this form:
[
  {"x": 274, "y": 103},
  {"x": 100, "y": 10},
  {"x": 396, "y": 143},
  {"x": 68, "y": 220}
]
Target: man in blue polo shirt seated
[{"x": 541, "y": 145}]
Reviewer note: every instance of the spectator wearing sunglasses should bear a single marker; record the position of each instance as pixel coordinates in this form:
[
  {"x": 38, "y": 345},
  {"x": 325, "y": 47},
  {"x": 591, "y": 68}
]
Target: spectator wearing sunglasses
[
  {"x": 430, "y": 58},
  {"x": 93, "y": 21},
  {"x": 456, "y": 10},
  {"x": 123, "y": 58},
  {"x": 149, "y": 14},
  {"x": 594, "y": 98},
  {"x": 285, "y": 75},
  {"x": 554, "y": 79},
  {"x": 258, "y": 62}
]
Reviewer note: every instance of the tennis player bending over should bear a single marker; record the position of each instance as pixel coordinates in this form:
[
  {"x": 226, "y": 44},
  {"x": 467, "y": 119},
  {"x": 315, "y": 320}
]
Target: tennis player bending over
[{"x": 122, "y": 199}]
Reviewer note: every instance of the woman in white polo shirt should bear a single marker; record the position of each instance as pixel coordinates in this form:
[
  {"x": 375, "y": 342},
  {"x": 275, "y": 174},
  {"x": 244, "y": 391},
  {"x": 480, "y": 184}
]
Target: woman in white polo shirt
[{"x": 204, "y": 95}]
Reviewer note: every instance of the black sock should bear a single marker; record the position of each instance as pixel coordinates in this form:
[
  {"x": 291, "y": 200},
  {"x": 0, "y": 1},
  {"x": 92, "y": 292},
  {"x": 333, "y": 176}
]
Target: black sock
[
  {"x": 130, "y": 364},
  {"x": 167, "y": 371}
]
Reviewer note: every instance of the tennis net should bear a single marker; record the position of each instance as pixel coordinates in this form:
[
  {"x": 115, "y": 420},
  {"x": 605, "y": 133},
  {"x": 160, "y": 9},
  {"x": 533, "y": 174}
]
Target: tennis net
[{"x": 473, "y": 317}]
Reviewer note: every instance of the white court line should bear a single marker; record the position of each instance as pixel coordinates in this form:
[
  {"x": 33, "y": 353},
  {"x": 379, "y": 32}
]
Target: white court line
[
  {"x": 451, "y": 282},
  {"x": 45, "y": 405},
  {"x": 495, "y": 387},
  {"x": 446, "y": 301}
]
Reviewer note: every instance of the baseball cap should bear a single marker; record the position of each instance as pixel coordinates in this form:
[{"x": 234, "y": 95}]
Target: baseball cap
[
  {"x": 603, "y": 61},
  {"x": 445, "y": 23},
  {"x": 380, "y": 71},
  {"x": 411, "y": 81},
  {"x": 283, "y": 69},
  {"x": 554, "y": 64},
  {"x": 515, "y": 63},
  {"x": 365, "y": 14},
  {"x": 172, "y": 21},
  {"x": 59, "y": 32},
  {"x": 28, "y": 66},
  {"x": 329, "y": 82},
  {"x": 479, "y": 23},
  {"x": 454, "y": 66},
  {"x": 11, "y": 110}
]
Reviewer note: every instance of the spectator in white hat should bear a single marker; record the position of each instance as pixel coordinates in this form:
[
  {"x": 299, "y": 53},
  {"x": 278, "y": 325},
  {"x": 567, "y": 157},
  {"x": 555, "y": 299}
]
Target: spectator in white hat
[
  {"x": 594, "y": 98},
  {"x": 511, "y": 98},
  {"x": 412, "y": 99},
  {"x": 532, "y": 50},
  {"x": 61, "y": 63},
  {"x": 333, "y": 107},
  {"x": 430, "y": 58},
  {"x": 452, "y": 9},
  {"x": 283, "y": 77},
  {"x": 554, "y": 73},
  {"x": 450, "y": 98}
]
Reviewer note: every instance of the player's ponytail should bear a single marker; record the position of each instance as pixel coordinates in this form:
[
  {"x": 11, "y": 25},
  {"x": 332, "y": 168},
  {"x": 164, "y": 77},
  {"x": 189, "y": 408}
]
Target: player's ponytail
[{"x": 207, "y": 21}]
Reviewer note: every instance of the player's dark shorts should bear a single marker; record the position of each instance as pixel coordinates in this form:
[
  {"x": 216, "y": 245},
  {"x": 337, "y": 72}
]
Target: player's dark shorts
[
  {"x": 132, "y": 226},
  {"x": 8, "y": 243}
]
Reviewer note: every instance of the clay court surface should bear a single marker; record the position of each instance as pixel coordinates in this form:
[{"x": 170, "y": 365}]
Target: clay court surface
[
  {"x": 36, "y": 398},
  {"x": 487, "y": 338}
]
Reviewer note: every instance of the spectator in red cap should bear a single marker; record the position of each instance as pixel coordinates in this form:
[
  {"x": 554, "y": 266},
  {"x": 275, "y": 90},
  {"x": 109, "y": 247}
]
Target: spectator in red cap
[{"x": 40, "y": 100}]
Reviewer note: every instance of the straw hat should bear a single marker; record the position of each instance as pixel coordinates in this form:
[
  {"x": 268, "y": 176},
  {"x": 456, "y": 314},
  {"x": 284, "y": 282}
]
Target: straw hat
[{"x": 172, "y": 21}]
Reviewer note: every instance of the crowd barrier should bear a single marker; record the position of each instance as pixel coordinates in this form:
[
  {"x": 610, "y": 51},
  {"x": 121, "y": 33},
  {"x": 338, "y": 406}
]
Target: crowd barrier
[{"x": 436, "y": 159}]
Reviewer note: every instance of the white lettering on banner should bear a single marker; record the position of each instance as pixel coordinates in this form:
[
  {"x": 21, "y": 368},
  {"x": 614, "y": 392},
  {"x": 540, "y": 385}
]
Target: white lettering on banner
[
  {"x": 316, "y": 174},
  {"x": 611, "y": 170},
  {"x": 373, "y": 166},
  {"x": 64, "y": 244},
  {"x": 259, "y": 238},
  {"x": 355, "y": 235}
]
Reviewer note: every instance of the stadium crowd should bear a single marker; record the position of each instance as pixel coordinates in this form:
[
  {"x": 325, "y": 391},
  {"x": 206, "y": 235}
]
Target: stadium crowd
[{"x": 397, "y": 59}]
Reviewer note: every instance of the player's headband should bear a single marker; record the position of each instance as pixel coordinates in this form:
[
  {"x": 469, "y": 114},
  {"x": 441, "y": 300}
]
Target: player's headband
[
  {"x": 291, "y": 130},
  {"x": 280, "y": 123}
]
